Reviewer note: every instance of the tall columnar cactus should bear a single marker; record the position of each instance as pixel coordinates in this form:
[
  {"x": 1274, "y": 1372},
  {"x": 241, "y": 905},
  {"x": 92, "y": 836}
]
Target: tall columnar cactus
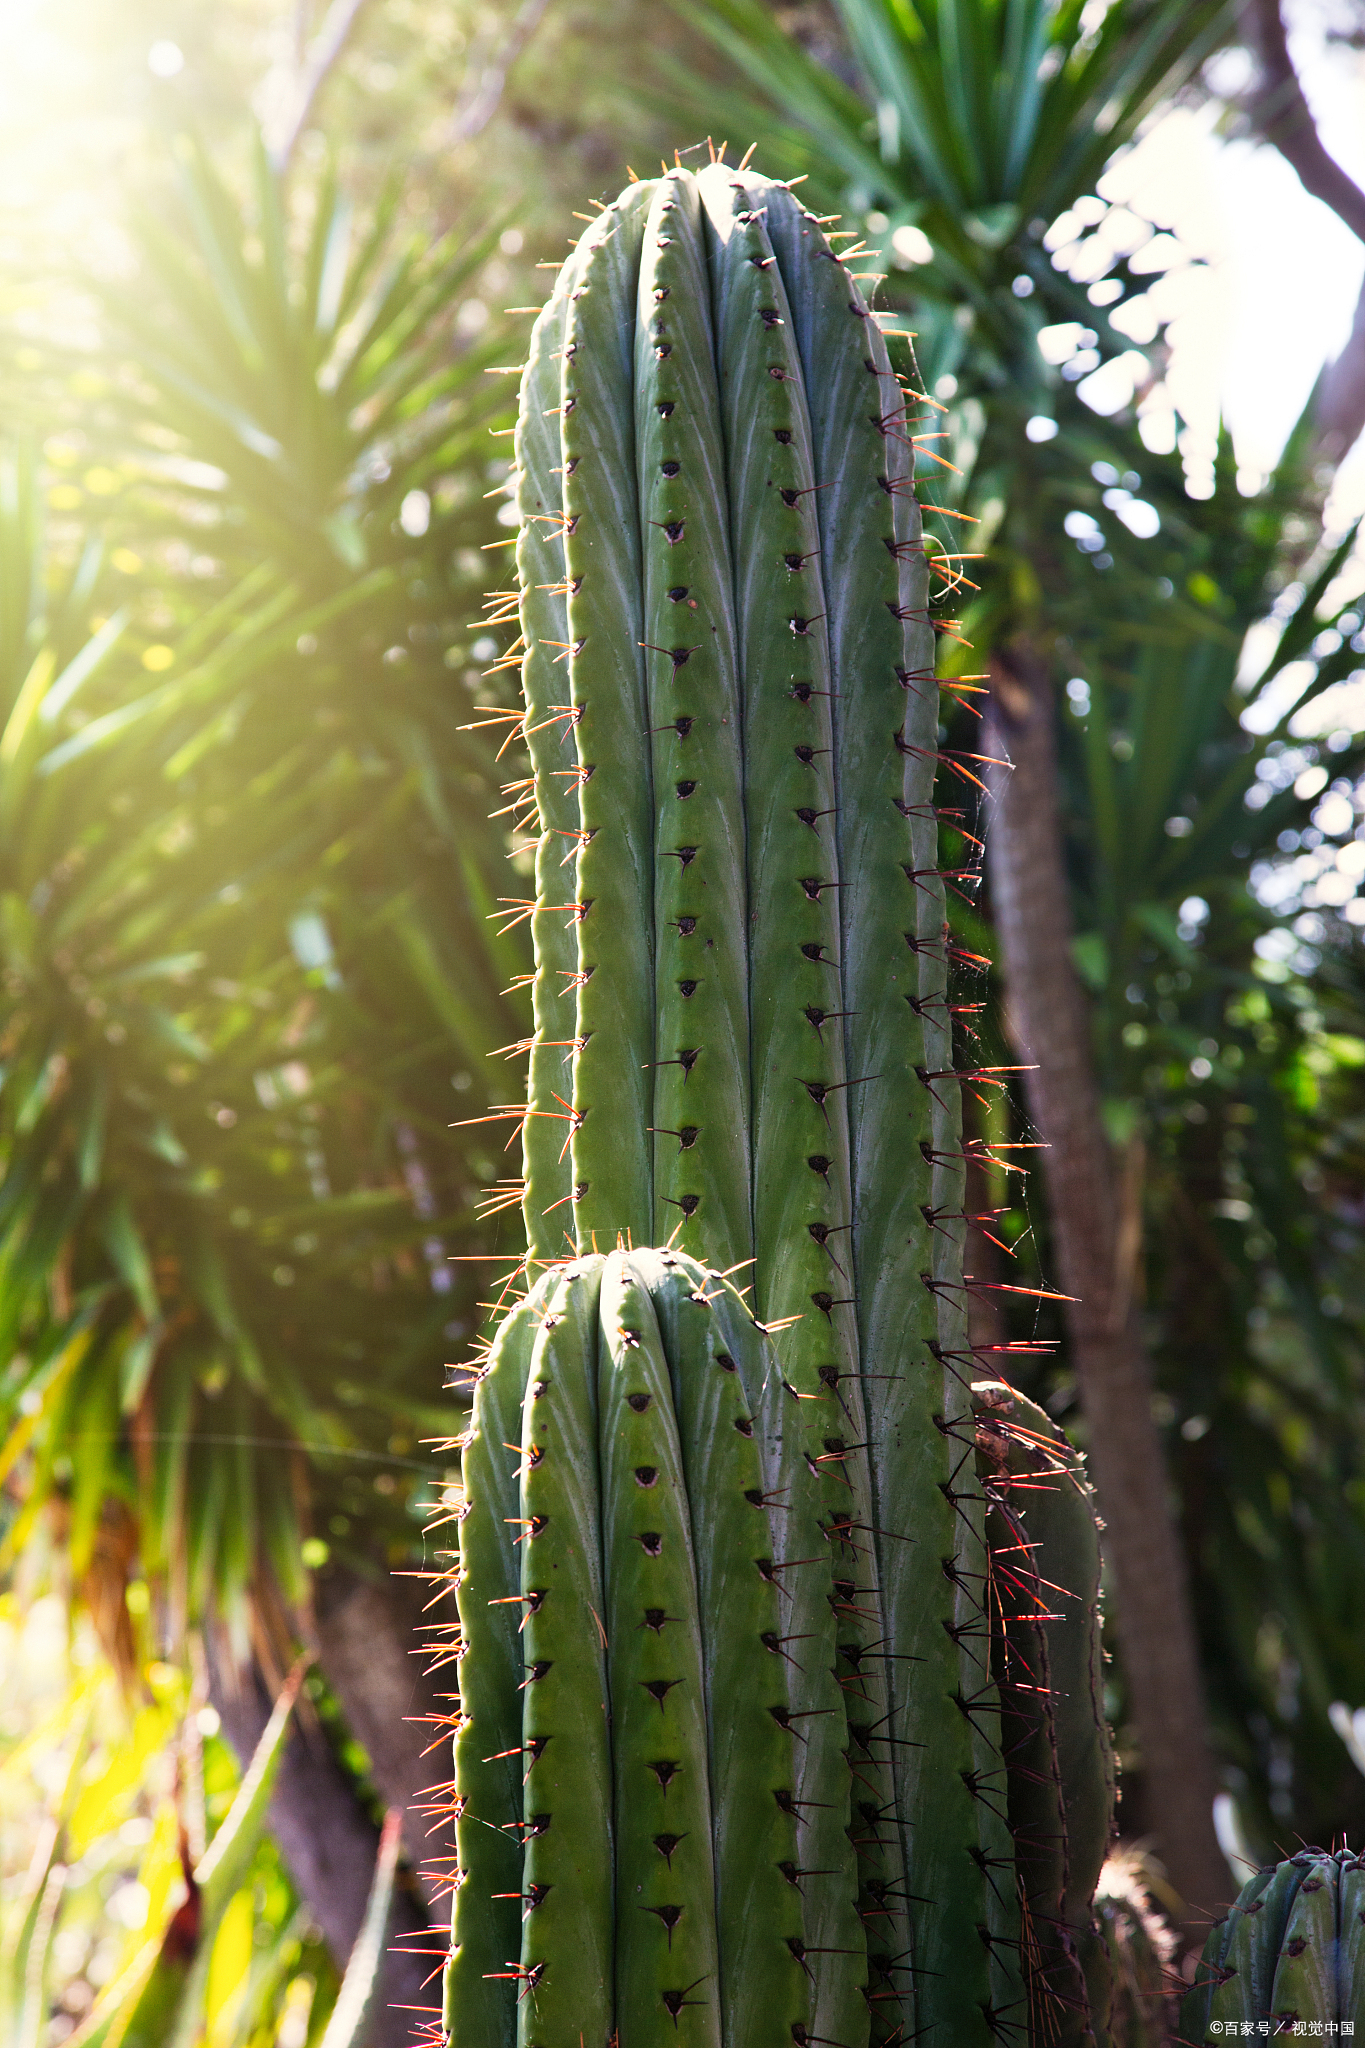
[
  {"x": 728, "y": 1767},
  {"x": 1290, "y": 1956}
]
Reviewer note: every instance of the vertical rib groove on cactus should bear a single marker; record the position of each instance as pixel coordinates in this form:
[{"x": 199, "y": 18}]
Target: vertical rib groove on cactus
[
  {"x": 701, "y": 1095},
  {"x": 567, "y": 1945},
  {"x": 801, "y": 1214},
  {"x": 610, "y": 1146},
  {"x": 549, "y": 737},
  {"x": 486, "y": 1909},
  {"x": 718, "y": 1357},
  {"x": 666, "y": 1939}
]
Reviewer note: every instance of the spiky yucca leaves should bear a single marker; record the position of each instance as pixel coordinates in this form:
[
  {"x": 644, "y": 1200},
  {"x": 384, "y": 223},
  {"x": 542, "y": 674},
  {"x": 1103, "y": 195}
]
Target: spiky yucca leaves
[
  {"x": 158, "y": 1152},
  {"x": 744, "y": 1040},
  {"x": 1045, "y": 1582},
  {"x": 1290, "y": 1955},
  {"x": 243, "y": 895}
]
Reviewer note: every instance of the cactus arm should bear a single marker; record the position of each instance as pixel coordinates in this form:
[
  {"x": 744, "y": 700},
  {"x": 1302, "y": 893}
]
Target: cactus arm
[
  {"x": 667, "y": 1960},
  {"x": 707, "y": 1332},
  {"x": 1252, "y": 1937},
  {"x": 1305, "y": 1986},
  {"x": 549, "y": 738},
  {"x": 610, "y": 1149},
  {"x": 1127, "y": 1956},
  {"x": 1213, "y": 1965},
  {"x": 480, "y": 2005},
  {"x": 1048, "y": 1658},
  {"x": 701, "y": 1108},
  {"x": 801, "y": 1211},
  {"x": 566, "y": 1970}
]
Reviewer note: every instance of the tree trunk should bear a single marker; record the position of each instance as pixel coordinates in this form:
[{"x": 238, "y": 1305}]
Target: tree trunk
[
  {"x": 1048, "y": 1018},
  {"x": 1340, "y": 404},
  {"x": 330, "y": 1845},
  {"x": 375, "y": 1659},
  {"x": 1277, "y": 108}
]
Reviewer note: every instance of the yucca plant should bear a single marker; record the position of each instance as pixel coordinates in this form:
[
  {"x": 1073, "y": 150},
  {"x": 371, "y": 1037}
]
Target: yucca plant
[
  {"x": 1195, "y": 783},
  {"x": 247, "y": 943},
  {"x": 275, "y": 821},
  {"x": 309, "y": 351},
  {"x": 729, "y": 1759},
  {"x": 121, "y": 1298},
  {"x": 977, "y": 126}
]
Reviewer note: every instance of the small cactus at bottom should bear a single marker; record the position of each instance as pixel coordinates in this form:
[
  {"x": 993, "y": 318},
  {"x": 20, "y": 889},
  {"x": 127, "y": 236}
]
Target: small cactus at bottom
[
  {"x": 1289, "y": 1958},
  {"x": 636, "y": 1792}
]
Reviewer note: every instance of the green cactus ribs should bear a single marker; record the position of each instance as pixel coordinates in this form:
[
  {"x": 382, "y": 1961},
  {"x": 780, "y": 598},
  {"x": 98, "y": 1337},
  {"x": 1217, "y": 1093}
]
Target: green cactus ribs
[
  {"x": 1290, "y": 1956},
  {"x": 1047, "y": 1657},
  {"x": 633, "y": 1833},
  {"x": 743, "y": 1756}
]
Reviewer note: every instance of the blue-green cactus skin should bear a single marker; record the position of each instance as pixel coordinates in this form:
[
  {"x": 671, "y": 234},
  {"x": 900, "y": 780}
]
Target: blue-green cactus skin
[
  {"x": 733, "y": 718},
  {"x": 1290, "y": 1955},
  {"x": 486, "y": 1911}
]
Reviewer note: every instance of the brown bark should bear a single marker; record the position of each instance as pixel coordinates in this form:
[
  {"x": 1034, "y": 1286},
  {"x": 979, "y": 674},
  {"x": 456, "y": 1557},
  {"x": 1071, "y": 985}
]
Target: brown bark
[
  {"x": 375, "y": 1657},
  {"x": 1282, "y": 116},
  {"x": 330, "y": 1846},
  {"x": 1340, "y": 407},
  {"x": 313, "y": 65},
  {"x": 1048, "y": 1017}
]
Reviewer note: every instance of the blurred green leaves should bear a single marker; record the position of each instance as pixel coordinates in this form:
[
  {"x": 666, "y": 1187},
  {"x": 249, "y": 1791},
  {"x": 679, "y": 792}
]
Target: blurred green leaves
[
  {"x": 245, "y": 867},
  {"x": 313, "y": 359},
  {"x": 124, "y": 1920},
  {"x": 972, "y": 125}
]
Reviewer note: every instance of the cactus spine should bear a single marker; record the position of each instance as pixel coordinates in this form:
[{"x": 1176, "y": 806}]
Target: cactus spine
[{"x": 759, "y": 1797}]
